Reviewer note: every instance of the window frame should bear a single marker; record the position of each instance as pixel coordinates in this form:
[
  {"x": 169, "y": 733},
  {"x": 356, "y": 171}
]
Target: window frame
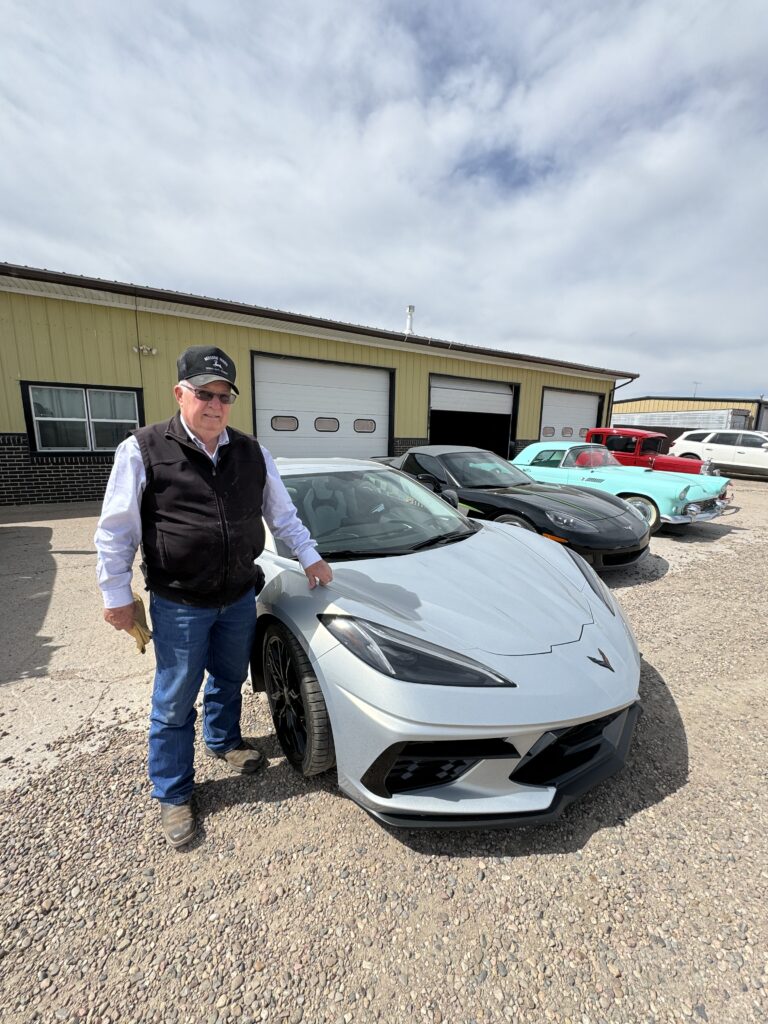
[
  {"x": 732, "y": 438},
  {"x": 31, "y": 420},
  {"x": 327, "y": 430},
  {"x": 283, "y": 416}
]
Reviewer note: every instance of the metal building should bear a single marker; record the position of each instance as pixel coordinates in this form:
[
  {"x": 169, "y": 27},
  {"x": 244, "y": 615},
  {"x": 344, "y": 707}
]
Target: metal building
[
  {"x": 674, "y": 415},
  {"x": 83, "y": 361}
]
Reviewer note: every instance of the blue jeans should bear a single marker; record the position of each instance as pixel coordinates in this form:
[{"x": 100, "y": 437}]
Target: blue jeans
[{"x": 188, "y": 641}]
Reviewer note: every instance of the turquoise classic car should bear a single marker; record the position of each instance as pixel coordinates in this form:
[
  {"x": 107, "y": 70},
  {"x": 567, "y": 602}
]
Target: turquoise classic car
[{"x": 676, "y": 498}]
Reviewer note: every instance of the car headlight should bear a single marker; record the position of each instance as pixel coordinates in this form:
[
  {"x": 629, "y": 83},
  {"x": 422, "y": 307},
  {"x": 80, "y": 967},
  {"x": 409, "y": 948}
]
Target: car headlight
[
  {"x": 683, "y": 493},
  {"x": 597, "y": 585},
  {"x": 408, "y": 658},
  {"x": 569, "y": 521},
  {"x": 635, "y": 511}
]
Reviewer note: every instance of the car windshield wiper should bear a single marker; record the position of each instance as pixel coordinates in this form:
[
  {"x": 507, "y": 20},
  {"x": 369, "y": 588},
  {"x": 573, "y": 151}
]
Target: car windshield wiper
[
  {"x": 443, "y": 538},
  {"x": 344, "y": 553}
]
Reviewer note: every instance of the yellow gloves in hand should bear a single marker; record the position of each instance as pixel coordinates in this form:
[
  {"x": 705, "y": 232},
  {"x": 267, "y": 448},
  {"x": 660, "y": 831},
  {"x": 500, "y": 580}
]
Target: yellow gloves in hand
[{"x": 140, "y": 631}]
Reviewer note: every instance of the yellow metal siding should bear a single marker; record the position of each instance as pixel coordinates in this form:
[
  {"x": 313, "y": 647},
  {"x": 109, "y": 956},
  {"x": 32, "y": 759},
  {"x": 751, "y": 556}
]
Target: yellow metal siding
[{"x": 78, "y": 342}]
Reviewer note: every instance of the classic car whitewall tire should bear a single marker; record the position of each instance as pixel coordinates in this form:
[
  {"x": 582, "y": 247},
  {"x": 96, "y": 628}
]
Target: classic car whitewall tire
[{"x": 648, "y": 508}]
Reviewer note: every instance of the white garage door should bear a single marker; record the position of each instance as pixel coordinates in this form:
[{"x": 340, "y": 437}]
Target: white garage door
[
  {"x": 306, "y": 409},
  {"x": 567, "y": 414},
  {"x": 455, "y": 394}
]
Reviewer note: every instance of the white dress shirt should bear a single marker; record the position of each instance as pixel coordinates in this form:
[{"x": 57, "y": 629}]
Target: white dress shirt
[{"x": 118, "y": 533}]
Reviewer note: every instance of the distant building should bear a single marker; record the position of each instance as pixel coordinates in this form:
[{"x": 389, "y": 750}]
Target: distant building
[
  {"x": 674, "y": 415},
  {"x": 83, "y": 361}
]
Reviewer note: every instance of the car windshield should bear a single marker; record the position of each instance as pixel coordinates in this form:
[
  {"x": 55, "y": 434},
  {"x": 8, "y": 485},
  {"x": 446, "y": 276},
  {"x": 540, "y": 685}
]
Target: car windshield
[
  {"x": 483, "y": 469},
  {"x": 588, "y": 456},
  {"x": 370, "y": 512}
]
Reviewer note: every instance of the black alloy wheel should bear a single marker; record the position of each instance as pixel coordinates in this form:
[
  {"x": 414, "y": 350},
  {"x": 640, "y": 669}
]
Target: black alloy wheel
[{"x": 296, "y": 701}]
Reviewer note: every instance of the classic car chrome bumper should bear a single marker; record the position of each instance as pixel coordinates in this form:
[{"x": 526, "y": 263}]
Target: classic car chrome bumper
[{"x": 701, "y": 517}]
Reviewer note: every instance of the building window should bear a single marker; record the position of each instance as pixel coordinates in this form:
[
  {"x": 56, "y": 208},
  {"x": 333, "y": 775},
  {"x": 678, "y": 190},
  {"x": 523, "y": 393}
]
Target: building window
[
  {"x": 364, "y": 426},
  {"x": 327, "y": 423},
  {"x": 80, "y": 419},
  {"x": 583, "y": 431},
  {"x": 548, "y": 432},
  {"x": 284, "y": 423},
  {"x": 567, "y": 431}
]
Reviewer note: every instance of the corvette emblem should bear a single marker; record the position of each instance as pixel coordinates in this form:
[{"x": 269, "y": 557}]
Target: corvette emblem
[{"x": 602, "y": 661}]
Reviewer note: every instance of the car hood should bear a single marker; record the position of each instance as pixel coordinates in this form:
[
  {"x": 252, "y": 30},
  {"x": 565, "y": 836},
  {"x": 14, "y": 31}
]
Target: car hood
[
  {"x": 547, "y": 498},
  {"x": 497, "y": 591},
  {"x": 651, "y": 479}
]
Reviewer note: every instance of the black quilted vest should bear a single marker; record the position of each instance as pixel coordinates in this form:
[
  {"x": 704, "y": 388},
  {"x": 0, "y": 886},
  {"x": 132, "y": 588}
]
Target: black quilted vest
[{"x": 201, "y": 524}]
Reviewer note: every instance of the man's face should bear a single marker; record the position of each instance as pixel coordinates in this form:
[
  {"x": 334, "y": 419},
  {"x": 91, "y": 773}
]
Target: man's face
[{"x": 206, "y": 420}]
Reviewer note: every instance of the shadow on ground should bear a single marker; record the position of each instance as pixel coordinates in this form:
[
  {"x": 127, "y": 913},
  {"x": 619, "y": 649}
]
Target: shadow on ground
[
  {"x": 652, "y": 567},
  {"x": 26, "y": 583},
  {"x": 699, "y": 533}
]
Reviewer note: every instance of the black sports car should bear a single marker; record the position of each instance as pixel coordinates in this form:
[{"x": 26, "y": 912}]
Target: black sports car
[{"x": 604, "y": 529}]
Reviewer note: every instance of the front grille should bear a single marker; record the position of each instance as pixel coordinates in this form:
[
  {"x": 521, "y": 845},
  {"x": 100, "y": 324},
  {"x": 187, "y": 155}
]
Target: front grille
[
  {"x": 420, "y": 773},
  {"x": 622, "y": 557},
  {"x": 561, "y": 752},
  {"x": 404, "y": 767},
  {"x": 703, "y": 506}
]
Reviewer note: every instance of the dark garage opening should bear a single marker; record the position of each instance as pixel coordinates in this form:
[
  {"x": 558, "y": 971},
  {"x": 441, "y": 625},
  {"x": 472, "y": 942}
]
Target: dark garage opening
[{"x": 475, "y": 429}]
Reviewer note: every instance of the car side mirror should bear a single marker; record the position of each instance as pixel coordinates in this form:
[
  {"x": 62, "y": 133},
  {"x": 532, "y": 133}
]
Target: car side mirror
[
  {"x": 430, "y": 481},
  {"x": 451, "y": 497}
]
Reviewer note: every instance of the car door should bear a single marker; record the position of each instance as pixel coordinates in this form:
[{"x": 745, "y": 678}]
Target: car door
[
  {"x": 721, "y": 448},
  {"x": 750, "y": 455},
  {"x": 623, "y": 447}
]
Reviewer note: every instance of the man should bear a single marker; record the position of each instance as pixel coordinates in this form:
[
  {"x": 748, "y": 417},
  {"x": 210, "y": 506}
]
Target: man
[{"x": 192, "y": 492}]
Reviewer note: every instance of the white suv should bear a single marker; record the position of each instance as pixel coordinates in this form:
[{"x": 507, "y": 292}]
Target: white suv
[{"x": 742, "y": 452}]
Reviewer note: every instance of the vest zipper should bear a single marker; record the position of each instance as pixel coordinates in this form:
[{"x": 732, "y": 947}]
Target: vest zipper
[{"x": 224, "y": 533}]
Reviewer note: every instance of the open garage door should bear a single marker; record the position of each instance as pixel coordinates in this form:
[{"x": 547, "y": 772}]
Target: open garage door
[
  {"x": 568, "y": 415},
  {"x": 306, "y": 409},
  {"x": 472, "y": 412}
]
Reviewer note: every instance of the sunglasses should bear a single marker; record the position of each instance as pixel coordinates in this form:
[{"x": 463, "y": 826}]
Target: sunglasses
[{"x": 203, "y": 395}]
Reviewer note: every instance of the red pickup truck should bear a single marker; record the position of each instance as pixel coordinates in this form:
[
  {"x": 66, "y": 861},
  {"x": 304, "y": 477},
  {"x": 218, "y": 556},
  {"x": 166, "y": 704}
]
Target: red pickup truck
[{"x": 645, "y": 448}]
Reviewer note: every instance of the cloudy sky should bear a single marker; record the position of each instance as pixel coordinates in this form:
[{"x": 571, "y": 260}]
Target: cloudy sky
[{"x": 580, "y": 179}]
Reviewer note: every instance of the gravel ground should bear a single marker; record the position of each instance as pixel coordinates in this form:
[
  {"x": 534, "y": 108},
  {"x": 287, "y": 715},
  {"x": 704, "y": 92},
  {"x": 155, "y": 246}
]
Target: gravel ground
[{"x": 645, "y": 902}]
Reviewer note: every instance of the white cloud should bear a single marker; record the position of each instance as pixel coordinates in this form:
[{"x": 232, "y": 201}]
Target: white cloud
[{"x": 576, "y": 180}]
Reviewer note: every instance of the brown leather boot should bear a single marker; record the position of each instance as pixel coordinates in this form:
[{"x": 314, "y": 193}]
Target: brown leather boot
[
  {"x": 243, "y": 759},
  {"x": 178, "y": 821}
]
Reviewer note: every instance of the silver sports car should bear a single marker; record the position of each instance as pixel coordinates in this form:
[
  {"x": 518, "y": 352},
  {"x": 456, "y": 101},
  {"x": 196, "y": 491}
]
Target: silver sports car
[{"x": 457, "y": 673}]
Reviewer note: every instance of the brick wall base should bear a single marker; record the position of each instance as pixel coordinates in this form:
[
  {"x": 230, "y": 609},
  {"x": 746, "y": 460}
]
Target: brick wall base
[
  {"x": 518, "y": 445},
  {"x": 27, "y": 479},
  {"x": 402, "y": 444}
]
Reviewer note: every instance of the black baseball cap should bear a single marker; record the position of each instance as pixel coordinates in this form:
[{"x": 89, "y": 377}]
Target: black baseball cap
[{"x": 202, "y": 364}]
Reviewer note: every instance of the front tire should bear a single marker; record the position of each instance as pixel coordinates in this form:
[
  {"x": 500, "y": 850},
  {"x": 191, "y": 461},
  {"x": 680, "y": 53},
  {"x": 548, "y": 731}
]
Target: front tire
[
  {"x": 518, "y": 521},
  {"x": 296, "y": 701},
  {"x": 648, "y": 508},
  {"x": 690, "y": 455}
]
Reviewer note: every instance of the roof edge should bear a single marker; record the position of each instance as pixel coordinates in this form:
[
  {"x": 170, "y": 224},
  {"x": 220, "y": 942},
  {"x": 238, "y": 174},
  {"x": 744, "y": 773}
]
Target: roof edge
[
  {"x": 683, "y": 398},
  {"x": 183, "y": 298}
]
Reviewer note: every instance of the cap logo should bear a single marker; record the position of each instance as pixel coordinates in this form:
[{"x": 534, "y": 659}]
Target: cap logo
[{"x": 217, "y": 363}]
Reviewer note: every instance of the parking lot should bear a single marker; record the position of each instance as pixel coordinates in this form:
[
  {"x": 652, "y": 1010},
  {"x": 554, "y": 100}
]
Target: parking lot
[{"x": 645, "y": 902}]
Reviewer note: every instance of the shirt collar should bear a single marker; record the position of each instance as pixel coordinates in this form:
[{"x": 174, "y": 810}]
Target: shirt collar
[{"x": 221, "y": 440}]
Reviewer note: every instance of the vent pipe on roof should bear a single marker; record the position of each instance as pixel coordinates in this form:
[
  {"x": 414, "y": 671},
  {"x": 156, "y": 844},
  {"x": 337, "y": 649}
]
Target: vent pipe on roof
[{"x": 409, "y": 320}]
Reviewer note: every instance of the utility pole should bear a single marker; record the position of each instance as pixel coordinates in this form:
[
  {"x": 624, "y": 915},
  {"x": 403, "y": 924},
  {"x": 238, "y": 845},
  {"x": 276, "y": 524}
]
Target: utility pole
[{"x": 695, "y": 385}]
